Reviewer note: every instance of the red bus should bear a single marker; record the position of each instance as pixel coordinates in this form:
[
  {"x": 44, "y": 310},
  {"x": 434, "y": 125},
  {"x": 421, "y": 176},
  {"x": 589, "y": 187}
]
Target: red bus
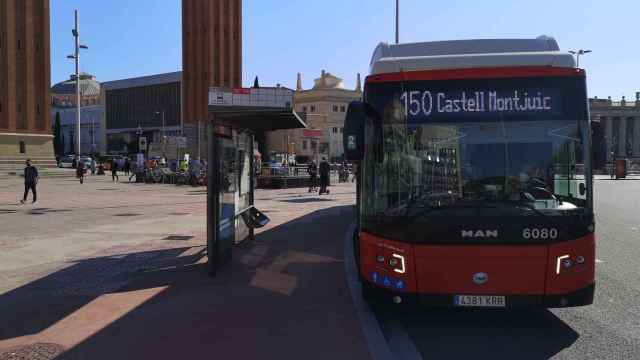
[{"x": 475, "y": 180}]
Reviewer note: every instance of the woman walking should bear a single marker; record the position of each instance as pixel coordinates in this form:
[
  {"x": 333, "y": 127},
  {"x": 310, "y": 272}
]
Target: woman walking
[{"x": 114, "y": 170}]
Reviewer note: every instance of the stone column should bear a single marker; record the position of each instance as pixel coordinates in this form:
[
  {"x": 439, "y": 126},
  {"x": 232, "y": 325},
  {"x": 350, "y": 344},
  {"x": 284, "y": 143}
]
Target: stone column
[
  {"x": 622, "y": 137},
  {"x": 636, "y": 137},
  {"x": 608, "y": 126}
]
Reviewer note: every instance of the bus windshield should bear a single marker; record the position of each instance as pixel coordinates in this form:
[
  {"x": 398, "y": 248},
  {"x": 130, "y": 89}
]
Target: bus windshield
[{"x": 439, "y": 151}]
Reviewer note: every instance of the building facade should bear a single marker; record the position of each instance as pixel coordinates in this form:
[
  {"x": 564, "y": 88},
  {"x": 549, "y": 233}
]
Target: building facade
[
  {"x": 63, "y": 105},
  {"x": 621, "y": 123},
  {"x": 25, "y": 122},
  {"x": 325, "y": 107},
  {"x": 211, "y": 57},
  {"x": 149, "y": 107}
]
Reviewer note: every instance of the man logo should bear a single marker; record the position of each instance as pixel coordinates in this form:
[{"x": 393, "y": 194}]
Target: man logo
[
  {"x": 480, "y": 278},
  {"x": 480, "y": 233}
]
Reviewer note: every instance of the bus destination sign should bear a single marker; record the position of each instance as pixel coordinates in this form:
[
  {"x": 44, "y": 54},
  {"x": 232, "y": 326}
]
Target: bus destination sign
[{"x": 424, "y": 105}]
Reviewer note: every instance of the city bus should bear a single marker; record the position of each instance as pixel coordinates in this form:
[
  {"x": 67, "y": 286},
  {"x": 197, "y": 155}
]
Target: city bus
[{"x": 475, "y": 175}]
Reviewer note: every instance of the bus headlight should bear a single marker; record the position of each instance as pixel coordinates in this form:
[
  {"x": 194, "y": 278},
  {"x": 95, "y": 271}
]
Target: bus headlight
[
  {"x": 580, "y": 259},
  {"x": 393, "y": 262},
  {"x": 399, "y": 259},
  {"x": 567, "y": 263},
  {"x": 380, "y": 258}
]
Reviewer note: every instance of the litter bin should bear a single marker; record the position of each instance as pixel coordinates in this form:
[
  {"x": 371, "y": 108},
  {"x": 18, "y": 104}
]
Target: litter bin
[{"x": 621, "y": 168}]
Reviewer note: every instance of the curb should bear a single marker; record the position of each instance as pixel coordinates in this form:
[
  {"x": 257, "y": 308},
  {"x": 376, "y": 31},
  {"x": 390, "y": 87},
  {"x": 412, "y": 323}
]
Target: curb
[{"x": 380, "y": 346}]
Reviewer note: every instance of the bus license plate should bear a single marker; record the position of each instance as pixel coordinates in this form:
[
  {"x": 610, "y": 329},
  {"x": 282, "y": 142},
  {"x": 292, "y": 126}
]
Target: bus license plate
[{"x": 479, "y": 300}]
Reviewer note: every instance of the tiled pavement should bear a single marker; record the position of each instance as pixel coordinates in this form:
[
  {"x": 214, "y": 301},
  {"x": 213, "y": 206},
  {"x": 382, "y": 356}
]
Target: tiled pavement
[{"x": 88, "y": 269}]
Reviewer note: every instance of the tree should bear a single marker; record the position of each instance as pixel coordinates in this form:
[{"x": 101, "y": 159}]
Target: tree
[{"x": 58, "y": 143}]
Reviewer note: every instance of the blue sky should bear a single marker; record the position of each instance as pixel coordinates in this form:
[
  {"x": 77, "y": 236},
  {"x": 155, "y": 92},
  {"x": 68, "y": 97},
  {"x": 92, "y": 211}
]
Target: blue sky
[{"x": 282, "y": 37}]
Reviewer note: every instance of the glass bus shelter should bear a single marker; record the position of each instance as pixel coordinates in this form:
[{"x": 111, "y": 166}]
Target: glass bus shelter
[{"x": 231, "y": 213}]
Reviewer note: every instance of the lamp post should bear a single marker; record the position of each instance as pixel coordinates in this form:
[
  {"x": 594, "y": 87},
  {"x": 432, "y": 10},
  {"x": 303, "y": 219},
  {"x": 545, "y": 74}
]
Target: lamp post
[
  {"x": 397, "y": 21},
  {"x": 578, "y": 54},
  {"x": 76, "y": 34},
  {"x": 164, "y": 136}
]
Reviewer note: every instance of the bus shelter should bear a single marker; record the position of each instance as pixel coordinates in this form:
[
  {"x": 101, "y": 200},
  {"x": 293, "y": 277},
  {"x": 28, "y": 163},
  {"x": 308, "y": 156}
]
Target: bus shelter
[{"x": 231, "y": 212}]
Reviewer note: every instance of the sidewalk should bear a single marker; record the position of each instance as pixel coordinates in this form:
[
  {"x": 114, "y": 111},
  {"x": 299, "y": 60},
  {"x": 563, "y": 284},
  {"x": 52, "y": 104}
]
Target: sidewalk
[{"x": 283, "y": 296}]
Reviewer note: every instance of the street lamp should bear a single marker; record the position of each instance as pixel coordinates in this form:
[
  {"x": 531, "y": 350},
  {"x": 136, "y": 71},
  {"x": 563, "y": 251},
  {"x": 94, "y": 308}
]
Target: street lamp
[
  {"x": 164, "y": 136},
  {"x": 76, "y": 34},
  {"x": 577, "y": 54}
]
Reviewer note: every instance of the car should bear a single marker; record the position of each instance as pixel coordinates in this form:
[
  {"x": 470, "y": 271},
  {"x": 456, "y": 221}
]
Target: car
[{"x": 66, "y": 161}]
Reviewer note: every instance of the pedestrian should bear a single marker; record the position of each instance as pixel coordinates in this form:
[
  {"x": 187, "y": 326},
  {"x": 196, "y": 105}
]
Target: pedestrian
[
  {"x": 312, "y": 169},
  {"x": 134, "y": 169},
  {"x": 80, "y": 171},
  {"x": 127, "y": 166},
  {"x": 114, "y": 170},
  {"x": 30, "y": 181},
  {"x": 613, "y": 164},
  {"x": 325, "y": 169},
  {"x": 93, "y": 166}
]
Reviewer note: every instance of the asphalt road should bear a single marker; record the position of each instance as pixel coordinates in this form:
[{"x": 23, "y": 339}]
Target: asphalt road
[{"x": 608, "y": 329}]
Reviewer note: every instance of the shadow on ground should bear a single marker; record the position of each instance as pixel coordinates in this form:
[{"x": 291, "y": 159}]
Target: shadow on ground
[
  {"x": 283, "y": 294},
  {"x": 494, "y": 334}
]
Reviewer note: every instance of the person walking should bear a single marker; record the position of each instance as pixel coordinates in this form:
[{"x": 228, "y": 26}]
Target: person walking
[
  {"x": 80, "y": 171},
  {"x": 325, "y": 169},
  {"x": 312, "y": 169},
  {"x": 114, "y": 170},
  {"x": 30, "y": 181},
  {"x": 127, "y": 166},
  {"x": 93, "y": 166},
  {"x": 133, "y": 169}
]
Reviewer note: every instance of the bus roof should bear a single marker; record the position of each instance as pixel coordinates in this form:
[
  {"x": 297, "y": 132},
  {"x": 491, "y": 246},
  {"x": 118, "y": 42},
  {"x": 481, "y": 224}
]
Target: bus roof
[{"x": 464, "y": 54}]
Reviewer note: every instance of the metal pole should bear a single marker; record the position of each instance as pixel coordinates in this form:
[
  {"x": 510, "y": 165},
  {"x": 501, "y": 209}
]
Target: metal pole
[
  {"x": 77, "y": 58},
  {"x": 397, "y": 21},
  {"x": 578, "y": 60},
  {"x": 164, "y": 137}
]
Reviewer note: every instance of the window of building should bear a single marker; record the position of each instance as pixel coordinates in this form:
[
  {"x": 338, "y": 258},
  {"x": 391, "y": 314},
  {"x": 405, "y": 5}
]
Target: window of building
[
  {"x": 304, "y": 144},
  {"x": 304, "y": 109},
  {"x": 19, "y": 107},
  {"x": 23, "y": 147},
  {"x": 314, "y": 145},
  {"x": 313, "y": 108},
  {"x": 0, "y": 106},
  {"x": 341, "y": 130},
  {"x": 343, "y": 108},
  {"x": 38, "y": 109},
  {"x": 335, "y": 108},
  {"x": 335, "y": 130}
]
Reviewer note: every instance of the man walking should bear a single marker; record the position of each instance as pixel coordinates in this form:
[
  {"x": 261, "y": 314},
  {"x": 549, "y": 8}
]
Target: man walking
[
  {"x": 312, "y": 169},
  {"x": 114, "y": 170},
  {"x": 30, "y": 181},
  {"x": 325, "y": 169}
]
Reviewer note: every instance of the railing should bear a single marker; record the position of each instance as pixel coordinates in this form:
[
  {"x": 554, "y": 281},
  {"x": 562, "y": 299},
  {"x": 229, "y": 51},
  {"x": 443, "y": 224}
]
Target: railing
[{"x": 284, "y": 171}]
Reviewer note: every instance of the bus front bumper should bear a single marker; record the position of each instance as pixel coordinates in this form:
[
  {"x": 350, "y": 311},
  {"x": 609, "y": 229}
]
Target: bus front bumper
[{"x": 580, "y": 297}]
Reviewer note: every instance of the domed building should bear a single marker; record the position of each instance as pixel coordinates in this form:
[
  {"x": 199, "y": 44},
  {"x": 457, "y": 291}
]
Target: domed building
[
  {"x": 63, "y": 104},
  {"x": 63, "y": 94}
]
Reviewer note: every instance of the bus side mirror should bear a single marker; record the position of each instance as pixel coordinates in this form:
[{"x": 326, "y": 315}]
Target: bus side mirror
[
  {"x": 598, "y": 146},
  {"x": 353, "y": 134}
]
